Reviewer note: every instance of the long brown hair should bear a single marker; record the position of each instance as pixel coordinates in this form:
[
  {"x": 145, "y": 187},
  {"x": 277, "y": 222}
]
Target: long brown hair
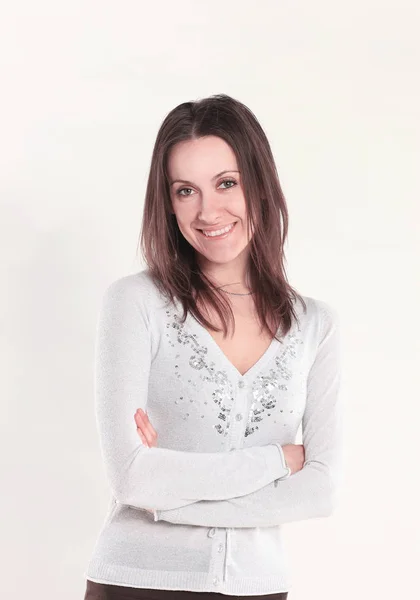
[{"x": 172, "y": 261}]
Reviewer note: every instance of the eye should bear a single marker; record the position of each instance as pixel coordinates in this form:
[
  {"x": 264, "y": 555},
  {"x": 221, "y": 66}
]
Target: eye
[
  {"x": 181, "y": 190},
  {"x": 223, "y": 181},
  {"x": 229, "y": 181}
]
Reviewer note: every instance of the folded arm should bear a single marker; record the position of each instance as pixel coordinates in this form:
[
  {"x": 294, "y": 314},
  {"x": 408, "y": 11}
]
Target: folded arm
[
  {"x": 161, "y": 478},
  {"x": 310, "y": 492}
]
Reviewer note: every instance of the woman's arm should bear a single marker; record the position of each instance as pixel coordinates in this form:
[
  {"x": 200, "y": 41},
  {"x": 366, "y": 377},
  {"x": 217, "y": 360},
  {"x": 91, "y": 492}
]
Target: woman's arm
[
  {"x": 311, "y": 492},
  {"x": 156, "y": 477}
]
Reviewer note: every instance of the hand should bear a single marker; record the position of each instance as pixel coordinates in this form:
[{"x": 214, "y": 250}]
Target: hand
[
  {"x": 147, "y": 434},
  {"x": 144, "y": 428},
  {"x": 295, "y": 456}
]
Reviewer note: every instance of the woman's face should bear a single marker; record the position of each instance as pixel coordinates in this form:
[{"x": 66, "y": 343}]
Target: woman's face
[{"x": 205, "y": 198}]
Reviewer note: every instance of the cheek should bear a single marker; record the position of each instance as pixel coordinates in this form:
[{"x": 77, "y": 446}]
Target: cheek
[
  {"x": 182, "y": 216},
  {"x": 239, "y": 209},
  {"x": 237, "y": 206},
  {"x": 184, "y": 221}
]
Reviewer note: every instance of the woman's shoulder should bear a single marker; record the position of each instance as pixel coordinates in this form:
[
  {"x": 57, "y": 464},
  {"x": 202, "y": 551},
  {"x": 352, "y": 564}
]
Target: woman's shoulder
[
  {"x": 317, "y": 310},
  {"x": 317, "y": 305},
  {"x": 320, "y": 318},
  {"x": 134, "y": 286}
]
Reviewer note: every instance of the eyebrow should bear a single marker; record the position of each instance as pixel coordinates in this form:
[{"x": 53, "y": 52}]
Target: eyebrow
[{"x": 215, "y": 177}]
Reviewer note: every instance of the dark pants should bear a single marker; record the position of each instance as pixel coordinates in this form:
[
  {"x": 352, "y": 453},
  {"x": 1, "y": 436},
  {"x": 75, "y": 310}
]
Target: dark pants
[{"x": 105, "y": 591}]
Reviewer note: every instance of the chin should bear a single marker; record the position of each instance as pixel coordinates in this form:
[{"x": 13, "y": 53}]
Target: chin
[{"x": 223, "y": 257}]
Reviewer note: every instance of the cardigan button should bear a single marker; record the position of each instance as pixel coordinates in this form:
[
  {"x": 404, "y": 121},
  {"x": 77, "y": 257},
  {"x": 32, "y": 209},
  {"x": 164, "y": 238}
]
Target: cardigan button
[
  {"x": 241, "y": 383},
  {"x": 238, "y": 417},
  {"x": 211, "y": 532}
]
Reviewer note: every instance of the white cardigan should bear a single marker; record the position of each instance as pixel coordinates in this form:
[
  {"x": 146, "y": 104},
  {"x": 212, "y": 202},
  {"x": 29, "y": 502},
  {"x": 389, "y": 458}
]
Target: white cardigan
[{"x": 217, "y": 480}]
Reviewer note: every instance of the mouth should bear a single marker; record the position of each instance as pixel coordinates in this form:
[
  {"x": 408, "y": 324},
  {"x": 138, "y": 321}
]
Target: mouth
[{"x": 219, "y": 234}]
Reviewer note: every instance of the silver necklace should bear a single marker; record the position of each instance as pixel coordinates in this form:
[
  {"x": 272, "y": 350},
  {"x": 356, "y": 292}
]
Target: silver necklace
[{"x": 234, "y": 293}]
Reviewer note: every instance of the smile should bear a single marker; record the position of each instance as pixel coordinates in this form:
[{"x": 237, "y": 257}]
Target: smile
[{"x": 219, "y": 233}]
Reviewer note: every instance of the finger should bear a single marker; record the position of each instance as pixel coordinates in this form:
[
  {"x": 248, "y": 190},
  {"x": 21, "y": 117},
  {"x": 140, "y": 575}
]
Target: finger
[
  {"x": 141, "y": 424},
  {"x": 140, "y": 430},
  {"x": 141, "y": 427},
  {"x": 148, "y": 428},
  {"x": 143, "y": 439}
]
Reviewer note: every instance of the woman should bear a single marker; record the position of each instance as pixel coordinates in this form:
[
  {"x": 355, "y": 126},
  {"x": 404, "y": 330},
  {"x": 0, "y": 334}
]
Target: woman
[{"x": 207, "y": 361}]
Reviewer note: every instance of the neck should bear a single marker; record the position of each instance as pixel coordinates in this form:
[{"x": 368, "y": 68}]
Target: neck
[{"x": 232, "y": 276}]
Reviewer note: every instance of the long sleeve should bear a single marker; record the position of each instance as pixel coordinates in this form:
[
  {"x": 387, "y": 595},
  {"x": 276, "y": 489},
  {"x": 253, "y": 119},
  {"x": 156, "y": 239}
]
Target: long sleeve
[
  {"x": 310, "y": 492},
  {"x": 145, "y": 477}
]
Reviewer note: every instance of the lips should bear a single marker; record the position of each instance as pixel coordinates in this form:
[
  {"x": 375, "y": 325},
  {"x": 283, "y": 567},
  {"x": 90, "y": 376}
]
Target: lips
[{"x": 220, "y": 228}]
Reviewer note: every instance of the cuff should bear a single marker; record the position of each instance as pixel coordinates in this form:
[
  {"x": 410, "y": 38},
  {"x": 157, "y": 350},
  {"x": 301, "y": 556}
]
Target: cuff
[
  {"x": 155, "y": 515},
  {"x": 284, "y": 463}
]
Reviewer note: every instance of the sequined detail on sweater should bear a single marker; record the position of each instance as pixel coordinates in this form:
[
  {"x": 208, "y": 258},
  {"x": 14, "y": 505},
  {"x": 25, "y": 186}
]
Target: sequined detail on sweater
[
  {"x": 263, "y": 386},
  {"x": 223, "y": 393}
]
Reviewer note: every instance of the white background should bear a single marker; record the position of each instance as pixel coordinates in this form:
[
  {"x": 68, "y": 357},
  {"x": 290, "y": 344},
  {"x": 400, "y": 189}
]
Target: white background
[{"x": 85, "y": 87}]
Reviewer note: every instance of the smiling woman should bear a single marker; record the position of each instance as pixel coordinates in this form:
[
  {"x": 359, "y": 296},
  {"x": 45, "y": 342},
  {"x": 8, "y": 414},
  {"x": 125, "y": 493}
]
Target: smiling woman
[
  {"x": 200, "y": 390},
  {"x": 212, "y": 167},
  {"x": 210, "y": 212}
]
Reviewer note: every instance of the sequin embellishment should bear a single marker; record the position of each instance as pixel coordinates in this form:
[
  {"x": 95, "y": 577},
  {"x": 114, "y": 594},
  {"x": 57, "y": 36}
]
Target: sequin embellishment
[
  {"x": 263, "y": 385},
  {"x": 223, "y": 394}
]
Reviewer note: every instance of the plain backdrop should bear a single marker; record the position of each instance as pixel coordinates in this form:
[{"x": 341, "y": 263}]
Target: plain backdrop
[{"x": 85, "y": 87}]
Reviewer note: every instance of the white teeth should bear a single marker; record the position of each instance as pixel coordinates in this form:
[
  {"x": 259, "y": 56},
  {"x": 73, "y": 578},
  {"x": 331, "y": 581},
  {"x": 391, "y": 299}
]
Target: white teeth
[{"x": 218, "y": 232}]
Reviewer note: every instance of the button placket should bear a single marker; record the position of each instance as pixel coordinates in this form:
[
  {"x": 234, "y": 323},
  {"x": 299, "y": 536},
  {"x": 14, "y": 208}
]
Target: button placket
[
  {"x": 219, "y": 561},
  {"x": 241, "y": 386},
  {"x": 227, "y": 555}
]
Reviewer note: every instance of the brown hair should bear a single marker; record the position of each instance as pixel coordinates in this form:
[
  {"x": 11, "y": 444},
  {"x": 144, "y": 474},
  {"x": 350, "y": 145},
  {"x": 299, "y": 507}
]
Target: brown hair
[{"x": 172, "y": 260}]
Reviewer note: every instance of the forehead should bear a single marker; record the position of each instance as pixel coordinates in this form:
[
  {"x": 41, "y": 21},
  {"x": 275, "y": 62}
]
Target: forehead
[{"x": 202, "y": 157}]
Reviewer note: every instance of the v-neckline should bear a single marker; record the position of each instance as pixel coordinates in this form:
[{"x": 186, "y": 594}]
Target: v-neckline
[{"x": 217, "y": 350}]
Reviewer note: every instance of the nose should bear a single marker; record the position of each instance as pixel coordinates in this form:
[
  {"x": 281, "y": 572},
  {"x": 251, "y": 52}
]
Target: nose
[{"x": 209, "y": 211}]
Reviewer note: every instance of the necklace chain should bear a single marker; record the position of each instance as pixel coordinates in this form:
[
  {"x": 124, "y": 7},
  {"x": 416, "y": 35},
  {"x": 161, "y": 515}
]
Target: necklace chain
[{"x": 234, "y": 293}]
